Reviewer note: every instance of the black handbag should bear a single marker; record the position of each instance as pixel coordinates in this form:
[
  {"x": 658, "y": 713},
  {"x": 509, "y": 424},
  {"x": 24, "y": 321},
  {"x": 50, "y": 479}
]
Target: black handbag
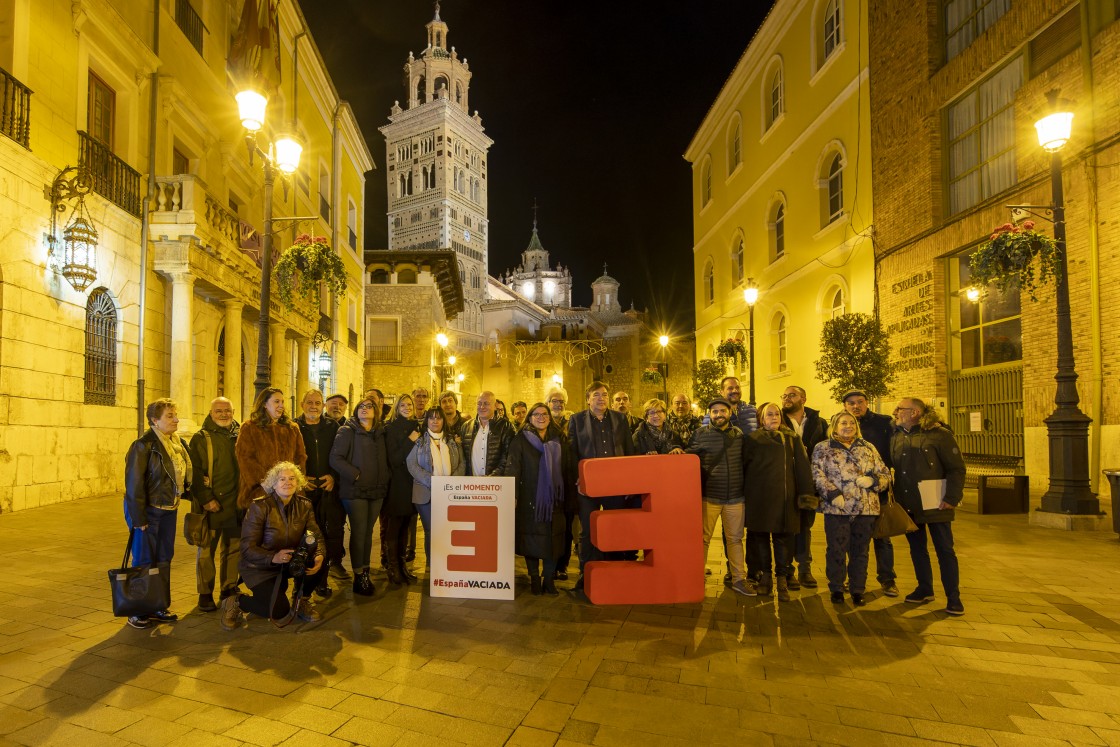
[
  {"x": 893, "y": 519},
  {"x": 142, "y": 590},
  {"x": 196, "y": 529}
]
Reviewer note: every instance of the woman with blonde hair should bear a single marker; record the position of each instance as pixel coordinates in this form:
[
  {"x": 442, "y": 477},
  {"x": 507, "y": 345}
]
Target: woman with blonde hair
[
  {"x": 268, "y": 437},
  {"x": 276, "y": 524},
  {"x": 849, "y": 475}
]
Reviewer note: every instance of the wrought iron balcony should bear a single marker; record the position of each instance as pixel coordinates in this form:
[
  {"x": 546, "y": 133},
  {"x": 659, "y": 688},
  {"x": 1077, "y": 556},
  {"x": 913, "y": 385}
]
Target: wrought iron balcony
[
  {"x": 383, "y": 353},
  {"x": 188, "y": 20},
  {"x": 113, "y": 179},
  {"x": 15, "y": 116}
]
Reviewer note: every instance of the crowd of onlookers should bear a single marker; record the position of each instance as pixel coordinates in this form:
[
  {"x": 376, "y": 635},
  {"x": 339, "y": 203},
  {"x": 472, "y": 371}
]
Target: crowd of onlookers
[{"x": 277, "y": 493}]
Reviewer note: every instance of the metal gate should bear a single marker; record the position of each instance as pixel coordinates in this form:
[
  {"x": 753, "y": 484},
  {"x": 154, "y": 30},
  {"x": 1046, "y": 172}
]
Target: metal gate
[{"x": 986, "y": 414}]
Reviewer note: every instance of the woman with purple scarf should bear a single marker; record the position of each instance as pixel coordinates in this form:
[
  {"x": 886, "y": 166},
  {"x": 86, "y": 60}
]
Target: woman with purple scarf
[{"x": 540, "y": 459}]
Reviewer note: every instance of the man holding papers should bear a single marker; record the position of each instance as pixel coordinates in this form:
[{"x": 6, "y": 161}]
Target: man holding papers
[{"x": 929, "y": 483}]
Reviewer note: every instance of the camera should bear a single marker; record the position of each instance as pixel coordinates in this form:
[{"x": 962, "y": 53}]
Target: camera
[{"x": 303, "y": 555}]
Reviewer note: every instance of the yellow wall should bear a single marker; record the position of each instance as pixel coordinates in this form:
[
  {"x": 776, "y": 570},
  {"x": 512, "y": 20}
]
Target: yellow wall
[{"x": 825, "y": 112}]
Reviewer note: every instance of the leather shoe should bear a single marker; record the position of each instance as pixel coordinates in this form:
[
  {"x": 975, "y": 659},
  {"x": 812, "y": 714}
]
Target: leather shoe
[
  {"x": 857, "y": 599},
  {"x": 535, "y": 585},
  {"x": 792, "y": 583},
  {"x": 561, "y": 575},
  {"x": 837, "y": 597},
  {"x": 548, "y": 586},
  {"x": 163, "y": 616},
  {"x": 206, "y": 603},
  {"x": 806, "y": 579}
]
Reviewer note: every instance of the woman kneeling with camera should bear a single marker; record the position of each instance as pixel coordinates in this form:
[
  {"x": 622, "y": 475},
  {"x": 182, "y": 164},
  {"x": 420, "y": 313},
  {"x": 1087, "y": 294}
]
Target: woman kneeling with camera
[{"x": 279, "y": 540}]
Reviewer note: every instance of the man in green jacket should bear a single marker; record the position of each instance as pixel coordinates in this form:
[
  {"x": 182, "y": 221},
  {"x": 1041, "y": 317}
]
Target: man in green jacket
[
  {"x": 929, "y": 483},
  {"x": 214, "y": 491}
]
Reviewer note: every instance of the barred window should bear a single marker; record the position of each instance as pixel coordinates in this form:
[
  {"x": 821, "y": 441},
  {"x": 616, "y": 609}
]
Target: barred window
[{"x": 101, "y": 349}]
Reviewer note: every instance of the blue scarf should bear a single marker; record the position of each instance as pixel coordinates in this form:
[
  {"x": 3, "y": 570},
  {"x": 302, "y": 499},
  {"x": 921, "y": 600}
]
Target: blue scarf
[{"x": 550, "y": 486}]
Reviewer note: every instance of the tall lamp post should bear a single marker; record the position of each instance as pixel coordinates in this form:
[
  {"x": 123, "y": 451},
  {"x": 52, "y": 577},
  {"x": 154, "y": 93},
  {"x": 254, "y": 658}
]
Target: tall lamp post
[
  {"x": 282, "y": 156},
  {"x": 441, "y": 340},
  {"x": 663, "y": 367},
  {"x": 1067, "y": 428},
  {"x": 750, "y": 297}
]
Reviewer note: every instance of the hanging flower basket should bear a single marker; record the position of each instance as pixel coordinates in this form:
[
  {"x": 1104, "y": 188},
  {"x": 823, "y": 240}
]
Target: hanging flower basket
[
  {"x": 651, "y": 376},
  {"x": 732, "y": 350},
  {"x": 303, "y": 265},
  {"x": 1016, "y": 257}
]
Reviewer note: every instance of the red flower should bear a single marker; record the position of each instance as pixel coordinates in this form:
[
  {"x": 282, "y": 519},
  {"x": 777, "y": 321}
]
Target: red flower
[{"x": 1028, "y": 224}]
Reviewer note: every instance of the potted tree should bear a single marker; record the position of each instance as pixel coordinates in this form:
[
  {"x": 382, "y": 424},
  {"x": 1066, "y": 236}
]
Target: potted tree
[{"x": 855, "y": 354}]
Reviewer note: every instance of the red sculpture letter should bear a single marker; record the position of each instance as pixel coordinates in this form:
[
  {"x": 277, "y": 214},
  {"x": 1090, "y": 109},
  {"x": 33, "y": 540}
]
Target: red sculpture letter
[
  {"x": 668, "y": 528},
  {"x": 483, "y": 538}
]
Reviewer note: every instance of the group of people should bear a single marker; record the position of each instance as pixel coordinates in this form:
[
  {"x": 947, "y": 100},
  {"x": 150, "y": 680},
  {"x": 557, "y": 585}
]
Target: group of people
[{"x": 276, "y": 488}]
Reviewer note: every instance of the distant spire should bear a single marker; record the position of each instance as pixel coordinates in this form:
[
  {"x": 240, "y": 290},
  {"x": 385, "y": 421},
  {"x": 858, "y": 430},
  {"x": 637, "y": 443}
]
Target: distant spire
[
  {"x": 604, "y": 268},
  {"x": 437, "y": 18},
  {"x": 534, "y": 215}
]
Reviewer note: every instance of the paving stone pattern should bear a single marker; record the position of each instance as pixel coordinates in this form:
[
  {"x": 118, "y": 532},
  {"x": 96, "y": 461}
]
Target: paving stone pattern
[{"x": 1035, "y": 661}]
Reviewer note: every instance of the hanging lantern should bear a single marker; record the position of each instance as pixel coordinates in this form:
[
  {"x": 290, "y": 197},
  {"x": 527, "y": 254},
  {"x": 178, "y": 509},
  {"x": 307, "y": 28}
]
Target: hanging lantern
[
  {"x": 79, "y": 248},
  {"x": 78, "y": 260}
]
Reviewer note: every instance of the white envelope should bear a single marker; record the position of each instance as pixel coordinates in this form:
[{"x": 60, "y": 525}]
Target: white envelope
[{"x": 933, "y": 493}]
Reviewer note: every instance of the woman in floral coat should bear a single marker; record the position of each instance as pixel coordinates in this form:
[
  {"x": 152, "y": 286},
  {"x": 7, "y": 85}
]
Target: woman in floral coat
[{"x": 849, "y": 475}]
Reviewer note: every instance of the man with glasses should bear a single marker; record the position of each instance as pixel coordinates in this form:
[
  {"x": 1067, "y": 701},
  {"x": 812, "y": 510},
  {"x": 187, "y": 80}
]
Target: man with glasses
[
  {"x": 929, "y": 476},
  {"x": 595, "y": 433},
  {"x": 811, "y": 427},
  {"x": 556, "y": 399},
  {"x": 877, "y": 430}
]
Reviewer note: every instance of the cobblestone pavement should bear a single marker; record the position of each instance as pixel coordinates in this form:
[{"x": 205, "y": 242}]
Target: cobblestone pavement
[{"x": 1035, "y": 661}]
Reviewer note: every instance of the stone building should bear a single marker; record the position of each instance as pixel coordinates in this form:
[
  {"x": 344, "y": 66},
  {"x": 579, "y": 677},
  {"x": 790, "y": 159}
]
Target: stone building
[
  {"x": 518, "y": 334},
  {"x": 86, "y": 86},
  {"x": 954, "y": 96},
  {"x": 782, "y": 194}
]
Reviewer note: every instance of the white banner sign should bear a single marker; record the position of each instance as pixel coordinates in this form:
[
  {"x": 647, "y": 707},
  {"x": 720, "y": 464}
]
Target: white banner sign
[{"x": 472, "y": 537}]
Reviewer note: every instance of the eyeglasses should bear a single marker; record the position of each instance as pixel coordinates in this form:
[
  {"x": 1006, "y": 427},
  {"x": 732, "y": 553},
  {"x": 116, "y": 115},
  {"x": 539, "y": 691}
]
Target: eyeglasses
[
  {"x": 366, "y": 406},
  {"x": 556, "y": 401},
  {"x": 788, "y": 396},
  {"x": 651, "y": 413},
  {"x": 541, "y": 415}
]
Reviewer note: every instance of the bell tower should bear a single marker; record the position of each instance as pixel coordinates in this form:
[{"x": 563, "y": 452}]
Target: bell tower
[{"x": 435, "y": 156}]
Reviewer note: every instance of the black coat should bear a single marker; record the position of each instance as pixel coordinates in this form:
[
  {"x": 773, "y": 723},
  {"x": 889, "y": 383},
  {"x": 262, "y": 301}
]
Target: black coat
[
  {"x": 647, "y": 439},
  {"x": 397, "y": 446},
  {"x": 877, "y": 430},
  {"x": 928, "y": 451},
  {"x": 721, "y": 462},
  {"x": 497, "y": 444},
  {"x": 318, "y": 440},
  {"x": 217, "y": 483},
  {"x": 777, "y": 471},
  {"x": 538, "y": 539},
  {"x": 814, "y": 429},
  {"x": 149, "y": 478},
  {"x": 360, "y": 458},
  {"x": 581, "y": 436}
]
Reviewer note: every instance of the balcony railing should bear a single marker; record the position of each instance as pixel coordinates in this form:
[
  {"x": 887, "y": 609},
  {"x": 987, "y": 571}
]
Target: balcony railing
[
  {"x": 113, "y": 179},
  {"x": 15, "y": 117},
  {"x": 187, "y": 19},
  {"x": 383, "y": 353}
]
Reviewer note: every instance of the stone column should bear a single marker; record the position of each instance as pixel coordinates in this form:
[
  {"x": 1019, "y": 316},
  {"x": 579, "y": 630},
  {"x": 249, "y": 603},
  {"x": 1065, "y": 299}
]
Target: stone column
[
  {"x": 281, "y": 362},
  {"x": 182, "y": 294},
  {"x": 303, "y": 374},
  {"x": 233, "y": 357}
]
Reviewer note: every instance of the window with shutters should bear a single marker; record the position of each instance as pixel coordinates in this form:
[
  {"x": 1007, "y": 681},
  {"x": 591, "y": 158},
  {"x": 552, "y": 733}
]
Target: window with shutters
[
  {"x": 1056, "y": 41},
  {"x": 101, "y": 349},
  {"x": 383, "y": 339},
  {"x": 102, "y": 111}
]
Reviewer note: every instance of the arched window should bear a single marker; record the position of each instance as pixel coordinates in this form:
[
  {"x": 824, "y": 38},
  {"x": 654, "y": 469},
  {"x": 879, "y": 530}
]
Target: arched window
[
  {"x": 836, "y": 303},
  {"x": 406, "y": 277},
  {"x": 830, "y": 28},
  {"x": 777, "y": 230},
  {"x": 709, "y": 289},
  {"x": 737, "y": 262},
  {"x": 706, "y": 182},
  {"x": 458, "y": 93},
  {"x": 420, "y": 90},
  {"x": 441, "y": 87},
  {"x": 734, "y": 144},
  {"x": 777, "y": 97},
  {"x": 710, "y": 351},
  {"x": 379, "y": 277},
  {"x": 779, "y": 361},
  {"x": 835, "y": 189},
  {"x": 101, "y": 349}
]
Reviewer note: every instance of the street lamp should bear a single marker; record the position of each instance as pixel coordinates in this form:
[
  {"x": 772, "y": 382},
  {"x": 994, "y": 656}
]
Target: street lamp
[
  {"x": 750, "y": 297},
  {"x": 282, "y": 156},
  {"x": 663, "y": 367},
  {"x": 1067, "y": 428},
  {"x": 445, "y": 361}
]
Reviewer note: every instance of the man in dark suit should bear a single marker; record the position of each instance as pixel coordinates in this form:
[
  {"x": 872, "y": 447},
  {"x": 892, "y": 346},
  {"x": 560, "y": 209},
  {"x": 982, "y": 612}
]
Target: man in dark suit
[
  {"x": 807, "y": 423},
  {"x": 595, "y": 433},
  {"x": 486, "y": 439}
]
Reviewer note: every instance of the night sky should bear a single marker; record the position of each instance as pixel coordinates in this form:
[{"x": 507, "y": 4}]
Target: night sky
[{"x": 590, "y": 106}]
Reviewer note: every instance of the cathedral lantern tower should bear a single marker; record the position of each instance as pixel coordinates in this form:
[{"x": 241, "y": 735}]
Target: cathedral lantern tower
[
  {"x": 435, "y": 154},
  {"x": 536, "y": 281},
  {"x": 604, "y": 291}
]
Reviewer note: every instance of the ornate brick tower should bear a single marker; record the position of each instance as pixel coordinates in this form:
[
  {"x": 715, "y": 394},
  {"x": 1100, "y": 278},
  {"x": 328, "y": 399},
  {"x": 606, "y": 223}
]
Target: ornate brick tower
[{"x": 436, "y": 169}]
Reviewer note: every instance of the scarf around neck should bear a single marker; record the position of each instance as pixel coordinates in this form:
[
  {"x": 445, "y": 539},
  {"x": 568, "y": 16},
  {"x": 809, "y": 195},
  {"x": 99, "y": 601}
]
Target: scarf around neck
[{"x": 550, "y": 486}]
